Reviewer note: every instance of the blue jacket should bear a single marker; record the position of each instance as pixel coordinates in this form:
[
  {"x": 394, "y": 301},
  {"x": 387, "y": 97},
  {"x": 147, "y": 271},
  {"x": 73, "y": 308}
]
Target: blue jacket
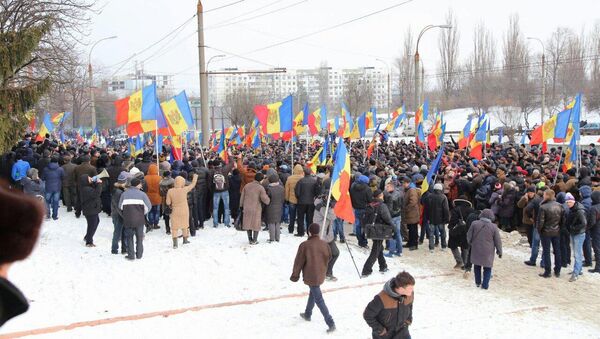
[
  {"x": 19, "y": 170},
  {"x": 53, "y": 176}
]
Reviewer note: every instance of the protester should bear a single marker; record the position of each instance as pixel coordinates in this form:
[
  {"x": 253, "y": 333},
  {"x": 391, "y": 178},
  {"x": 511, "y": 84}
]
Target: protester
[
  {"x": 177, "y": 201},
  {"x": 290, "y": 194},
  {"x": 576, "y": 224},
  {"x": 274, "y": 209},
  {"x": 52, "y": 176},
  {"x": 484, "y": 238},
  {"x": 90, "y": 189},
  {"x": 361, "y": 195},
  {"x": 306, "y": 191},
  {"x": 117, "y": 214},
  {"x": 253, "y": 196},
  {"x": 69, "y": 183},
  {"x": 152, "y": 180},
  {"x": 551, "y": 221},
  {"x": 394, "y": 199},
  {"x": 438, "y": 214},
  {"x": 326, "y": 234},
  {"x": 166, "y": 183},
  {"x": 134, "y": 205},
  {"x": 383, "y": 217},
  {"x": 312, "y": 259}
]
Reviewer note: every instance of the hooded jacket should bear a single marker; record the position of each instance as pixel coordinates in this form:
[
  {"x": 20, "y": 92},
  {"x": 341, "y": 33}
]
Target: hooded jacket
[
  {"x": 90, "y": 196},
  {"x": 53, "y": 176},
  {"x": 153, "y": 185},
  {"x": 360, "y": 193},
  {"x": 389, "y": 314},
  {"x": 19, "y": 170},
  {"x": 134, "y": 205},
  {"x": 177, "y": 198},
  {"x": 290, "y": 184}
]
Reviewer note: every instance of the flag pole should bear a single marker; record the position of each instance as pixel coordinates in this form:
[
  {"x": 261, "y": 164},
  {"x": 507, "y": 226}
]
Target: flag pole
[{"x": 156, "y": 143}]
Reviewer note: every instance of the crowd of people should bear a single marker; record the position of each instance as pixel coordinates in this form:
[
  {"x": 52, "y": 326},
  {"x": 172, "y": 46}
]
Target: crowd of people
[{"x": 514, "y": 188}]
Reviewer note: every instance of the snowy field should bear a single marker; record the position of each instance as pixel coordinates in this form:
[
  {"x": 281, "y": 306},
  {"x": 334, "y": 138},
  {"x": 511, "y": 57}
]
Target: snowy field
[{"x": 220, "y": 287}]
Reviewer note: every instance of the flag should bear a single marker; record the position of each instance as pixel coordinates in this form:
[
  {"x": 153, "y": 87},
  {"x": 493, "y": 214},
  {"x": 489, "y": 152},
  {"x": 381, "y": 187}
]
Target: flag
[
  {"x": 46, "y": 128},
  {"x": 432, "y": 170},
  {"x": 465, "y": 135},
  {"x": 420, "y": 117},
  {"x": 222, "y": 150},
  {"x": 397, "y": 117},
  {"x": 60, "y": 117},
  {"x": 524, "y": 138},
  {"x": 317, "y": 121},
  {"x": 315, "y": 161},
  {"x": 371, "y": 148},
  {"x": 572, "y": 152},
  {"x": 32, "y": 124},
  {"x": 323, "y": 157},
  {"x": 176, "y": 152},
  {"x": 362, "y": 125},
  {"x": 433, "y": 139},
  {"x": 298, "y": 126},
  {"x": 275, "y": 117},
  {"x": 305, "y": 114},
  {"x": 178, "y": 114},
  {"x": 340, "y": 184}
]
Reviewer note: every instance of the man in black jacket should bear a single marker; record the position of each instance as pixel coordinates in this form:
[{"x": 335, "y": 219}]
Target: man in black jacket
[
  {"x": 306, "y": 191},
  {"x": 382, "y": 217},
  {"x": 360, "y": 195},
  {"x": 134, "y": 205},
  {"x": 551, "y": 220},
  {"x": 390, "y": 313},
  {"x": 438, "y": 214},
  {"x": 594, "y": 227},
  {"x": 393, "y": 198},
  {"x": 576, "y": 224}
]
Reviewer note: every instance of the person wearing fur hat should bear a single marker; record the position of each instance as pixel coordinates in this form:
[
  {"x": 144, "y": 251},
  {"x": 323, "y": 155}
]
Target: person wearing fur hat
[
  {"x": 484, "y": 237},
  {"x": 22, "y": 218},
  {"x": 117, "y": 215},
  {"x": 311, "y": 260}
]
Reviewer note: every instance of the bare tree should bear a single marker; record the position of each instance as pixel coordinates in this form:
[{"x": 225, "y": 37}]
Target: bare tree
[
  {"x": 358, "y": 93},
  {"x": 572, "y": 73},
  {"x": 405, "y": 65},
  {"x": 448, "y": 47},
  {"x": 557, "y": 46},
  {"x": 324, "y": 83},
  {"x": 593, "y": 89},
  {"x": 479, "y": 69},
  {"x": 239, "y": 105}
]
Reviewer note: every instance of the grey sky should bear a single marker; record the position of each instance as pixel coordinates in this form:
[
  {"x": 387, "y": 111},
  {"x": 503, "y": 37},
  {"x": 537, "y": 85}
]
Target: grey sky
[{"x": 139, "y": 23}]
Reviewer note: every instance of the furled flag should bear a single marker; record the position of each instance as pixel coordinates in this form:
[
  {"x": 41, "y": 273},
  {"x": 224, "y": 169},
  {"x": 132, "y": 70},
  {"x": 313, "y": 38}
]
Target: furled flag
[
  {"x": 317, "y": 121},
  {"x": 420, "y": 117},
  {"x": 315, "y": 161},
  {"x": 432, "y": 170},
  {"x": 465, "y": 135},
  {"x": 572, "y": 153},
  {"x": 276, "y": 117},
  {"x": 46, "y": 128},
  {"x": 178, "y": 113},
  {"x": 340, "y": 184}
]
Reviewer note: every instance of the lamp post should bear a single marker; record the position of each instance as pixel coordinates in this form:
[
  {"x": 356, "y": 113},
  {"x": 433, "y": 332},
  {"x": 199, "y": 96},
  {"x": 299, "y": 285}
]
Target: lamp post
[
  {"x": 389, "y": 87},
  {"x": 543, "y": 76},
  {"x": 92, "y": 99},
  {"x": 418, "y": 80},
  {"x": 213, "y": 109}
]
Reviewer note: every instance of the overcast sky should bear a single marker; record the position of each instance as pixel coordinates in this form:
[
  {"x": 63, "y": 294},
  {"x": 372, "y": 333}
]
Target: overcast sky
[{"x": 140, "y": 23}]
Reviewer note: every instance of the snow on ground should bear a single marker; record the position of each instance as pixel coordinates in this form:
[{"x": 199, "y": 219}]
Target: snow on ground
[{"x": 67, "y": 283}]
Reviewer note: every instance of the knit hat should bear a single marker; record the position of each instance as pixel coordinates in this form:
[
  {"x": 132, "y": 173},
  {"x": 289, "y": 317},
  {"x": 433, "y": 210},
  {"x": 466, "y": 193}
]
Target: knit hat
[
  {"x": 123, "y": 176},
  {"x": 259, "y": 176},
  {"x": 531, "y": 189},
  {"x": 134, "y": 170},
  {"x": 569, "y": 196},
  {"x": 314, "y": 229},
  {"x": 135, "y": 182}
]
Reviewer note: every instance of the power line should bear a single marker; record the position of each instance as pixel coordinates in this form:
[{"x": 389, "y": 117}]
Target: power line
[
  {"x": 256, "y": 16},
  {"x": 244, "y": 14},
  {"x": 224, "y": 6}
]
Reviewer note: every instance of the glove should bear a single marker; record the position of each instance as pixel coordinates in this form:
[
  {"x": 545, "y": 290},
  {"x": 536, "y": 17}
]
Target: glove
[
  {"x": 500, "y": 255},
  {"x": 294, "y": 278}
]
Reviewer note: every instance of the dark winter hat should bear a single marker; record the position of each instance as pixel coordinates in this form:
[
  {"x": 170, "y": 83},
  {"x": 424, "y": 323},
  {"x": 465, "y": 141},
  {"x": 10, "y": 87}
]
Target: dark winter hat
[
  {"x": 135, "y": 182},
  {"x": 314, "y": 229},
  {"x": 273, "y": 178},
  {"x": 377, "y": 193},
  {"x": 531, "y": 189},
  {"x": 123, "y": 176},
  {"x": 259, "y": 176}
]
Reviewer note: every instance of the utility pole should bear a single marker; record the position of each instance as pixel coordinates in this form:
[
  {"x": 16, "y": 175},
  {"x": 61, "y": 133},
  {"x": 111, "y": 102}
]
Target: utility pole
[{"x": 203, "y": 76}]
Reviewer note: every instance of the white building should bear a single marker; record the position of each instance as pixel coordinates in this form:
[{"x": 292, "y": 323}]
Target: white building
[{"x": 125, "y": 85}]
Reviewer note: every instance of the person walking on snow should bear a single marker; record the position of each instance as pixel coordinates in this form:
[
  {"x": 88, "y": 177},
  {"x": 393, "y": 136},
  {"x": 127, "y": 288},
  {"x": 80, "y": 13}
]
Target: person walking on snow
[
  {"x": 484, "y": 238},
  {"x": 311, "y": 259}
]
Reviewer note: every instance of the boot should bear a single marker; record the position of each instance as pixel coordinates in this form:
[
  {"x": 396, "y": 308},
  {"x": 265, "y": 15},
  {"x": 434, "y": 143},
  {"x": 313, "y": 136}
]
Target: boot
[
  {"x": 156, "y": 227},
  {"x": 174, "y": 242},
  {"x": 185, "y": 240}
]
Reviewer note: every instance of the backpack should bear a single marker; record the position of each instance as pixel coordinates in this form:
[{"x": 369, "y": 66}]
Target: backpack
[
  {"x": 219, "y": 181},
  {"x": 373, "y": 227}
]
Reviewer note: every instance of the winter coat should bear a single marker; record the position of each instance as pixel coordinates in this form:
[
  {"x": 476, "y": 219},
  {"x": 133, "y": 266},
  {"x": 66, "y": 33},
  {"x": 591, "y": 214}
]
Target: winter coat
[
  {"x": 134, "y": 205},
  {"x": 462, "y": 208},
  {"x": 177, "y": 198},
  {"x": 326, "y": 230},
  {"x": 144, "y": 165},
  {"x": 116, "y": 213},
  {"x": 436, "y": 207},
  {"x": 274, "y": 210},
  {"x": 19, "y": 170},
  {"x": 68, "y": 178},
  {"x": 411, "y": 213},
  {"x": 507, "y": 203},
  {"x": 253, "y": 196},
  {"x": 203, "y": 183},
  {"x": 12, "y": 301},
  {"x": 311, "y": 259},
  {"x": 247, "y": 174},
  {"x": 594, "y": 213},
  {"x": 576, "y": 222},
  {"x": 42, "y": 164},
  {"x": 494, "y": 201},
  {"x": 394, "y": 201},
  {"x": 235, "y": 184},
  {"x": 114, "y": 170},
  {"x": 551, "y": 218},
  {"x": 389, "y": 312},
  {"x": 585, "y": 192},
  {"x": 53, "y": 176},
  {"x": 290, "y": 184},
  {"x": 225, "y": 172},
  {"x": 484, "y": 237},
  {"x": 360, "y": 195},
  {"x": 165, "y": 185},
  {"x": 153, "y": 185},
  {"x": 84, "y": 168},
  {"x": 89, "y": 194},
  {"x": 522, "y": 203},
  {"x": 306, "y": 190},
  {"x": 33, "y": 187}
]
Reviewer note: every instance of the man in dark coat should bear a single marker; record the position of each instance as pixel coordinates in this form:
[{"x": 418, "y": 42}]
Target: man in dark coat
[
  {"x": 360, "y": 195},
  {"x": 594, "y": 227},
  {"x": 394, "y": 199},
  {"x": 84, "y": 168},
  {"x": 312, "y": 259},
  {"x": 53, "y": 176},
  {"x": 69, "y": 183},
  {"x": 551, "y": 220},
  {"x": 438, "y": 214},
  {"x": 457, "y": 229},
  {"x": 306, "y": 191},
  {"x": 484, "y": 237},
  {"x": 202, "y": 194},
  {"x": 389, "y": 314},
  {"x": 91, "y": 205},
  {"x": 383, "y": 217},
  {"x": 117, "y": 215}
]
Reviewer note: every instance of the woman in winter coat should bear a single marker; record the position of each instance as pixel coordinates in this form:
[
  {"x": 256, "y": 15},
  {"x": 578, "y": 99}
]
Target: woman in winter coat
[
  {"x": 153, "y": 191},
  {"x": 458, "y": 231},
  {"x": 484, "y": 238},
  {"x": 507, "y": 202},
  {"x": 33, "y": 185},
  {"x": 253, "y": 194},
  {"x": 274, "y": 210},
  {"x": 494, "y": 201},
  {"x": 177, "y": 200},
  {"x": 91, "y": 205}
]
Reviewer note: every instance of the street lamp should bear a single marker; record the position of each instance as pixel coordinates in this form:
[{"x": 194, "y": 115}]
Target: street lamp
[
  {"x": 419, "y": 82},
  {"x": 92, "y": 79},
  {"x": 212, "y": 106},
  {"x": 543, "y": 75},
  {"x": 389, "y": 86}
]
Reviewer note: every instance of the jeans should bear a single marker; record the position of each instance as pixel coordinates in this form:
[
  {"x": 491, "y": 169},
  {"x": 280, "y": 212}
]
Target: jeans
[
  {"x": 304, "y": 213},
  {"x": 92, "y": 225},
  {"x": 577, "y": 241},
  {"x": 154, "y": 215},
  {"x": 358, "y": 215},
  {"x": 376, "y": 254},
  {"x": 335, "y": 253},
  {"x": 292, "y": 208},
  {"x": 413, "y": 236},
  {"x": 555, "y": 242},
  {"x": 395, "y": 245},
  {"x": 138, "y": 231},
  {"x": 433, "y": 234},
  {"x": 587, "y": 248},
  {"x": 338, "y": 229},
  {"x": 487, "y": 275},
  {"x": 217, "y": 197},
  {"x": 118, "y": 235},
  {"x": 315, "y": 296},
  {"x": 285, "y": 217},
  {"x": 52, "y": 199},
  {"x": 535, "y": 246}
]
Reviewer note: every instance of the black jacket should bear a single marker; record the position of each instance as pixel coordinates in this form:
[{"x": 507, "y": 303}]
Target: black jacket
[
  {"x": 436, "y": 207},
  {"x": 12, "y": 301},
  {"x": 360, "y": 195},
  {"x": 593, "y": 220},
  {"x": 383, "y": 213},
  {"x": 306, "y": 190},
  {"x": 394, "y": 201},
  {"x": 551, "y": 218},
  {"x": 114, "y": 170},
  {"x": 389, "y": 314},
  {"x": 462, "y": 208},
  {"x": 117, "y": 214},
  {"x": 576, "y": 220},
  {"x": 90, "y": 196}
]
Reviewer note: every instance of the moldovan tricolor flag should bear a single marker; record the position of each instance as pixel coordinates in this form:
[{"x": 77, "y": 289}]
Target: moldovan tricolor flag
[
  {"x": 140, "y": 112},
  {"x": 275, "y": 117},
  {"x": 317, "y": 121},
  {"x": 435, "y": 165},
  {"x": 46, "y": 128},
  {"x": 340, "y": 184},
  {"x": 178, "y": 113}
]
